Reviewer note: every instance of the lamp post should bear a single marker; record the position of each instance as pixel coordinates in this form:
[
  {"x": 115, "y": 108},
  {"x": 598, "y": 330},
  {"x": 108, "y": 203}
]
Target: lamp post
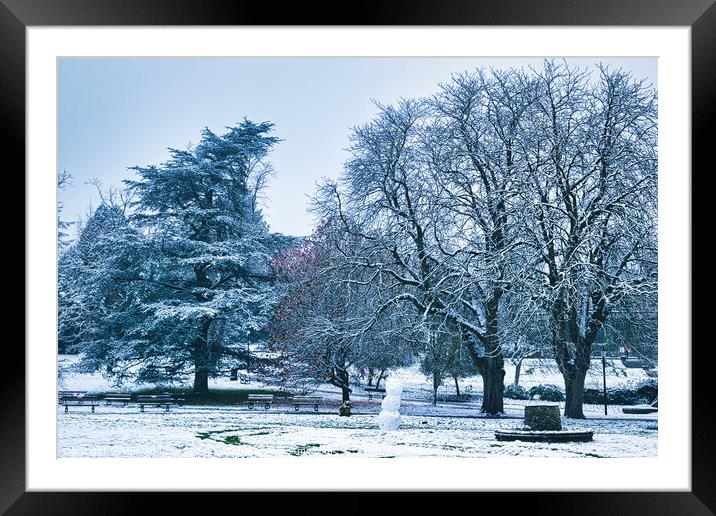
[{"x": 604, "y": 376}]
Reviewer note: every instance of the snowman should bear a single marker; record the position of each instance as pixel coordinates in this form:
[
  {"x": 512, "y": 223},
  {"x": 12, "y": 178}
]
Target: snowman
[{"x": 389, "y": 417}]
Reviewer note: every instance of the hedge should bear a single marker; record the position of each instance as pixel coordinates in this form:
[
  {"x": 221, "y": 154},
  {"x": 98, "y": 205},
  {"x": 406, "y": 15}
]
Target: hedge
[
  {"x": 516, "y": 392},
  {"x": 642, "y": 393}
]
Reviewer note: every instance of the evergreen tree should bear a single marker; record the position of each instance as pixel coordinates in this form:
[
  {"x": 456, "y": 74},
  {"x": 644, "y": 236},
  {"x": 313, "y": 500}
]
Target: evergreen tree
[
  {"x": 96, "y": 292},
  {"x": 208, "y": 250}
]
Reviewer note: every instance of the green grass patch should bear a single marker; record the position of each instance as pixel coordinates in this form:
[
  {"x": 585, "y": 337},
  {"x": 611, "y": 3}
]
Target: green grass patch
[
  {"x": 232, "y": 439},
  {"x": 207, "y": 435},
  {"x": 589, "y": 454},
  {"x": 303, "y": 448}
]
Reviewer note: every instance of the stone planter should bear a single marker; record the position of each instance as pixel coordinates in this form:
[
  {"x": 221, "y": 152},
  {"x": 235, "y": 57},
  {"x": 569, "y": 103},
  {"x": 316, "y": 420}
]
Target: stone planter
[
  {"x": 543, "y": 417},
  {"x": 544, "y": 424}
]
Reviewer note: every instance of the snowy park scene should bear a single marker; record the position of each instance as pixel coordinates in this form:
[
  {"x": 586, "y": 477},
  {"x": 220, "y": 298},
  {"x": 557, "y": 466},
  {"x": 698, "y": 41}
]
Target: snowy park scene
[{"x": 357, "y": 257}]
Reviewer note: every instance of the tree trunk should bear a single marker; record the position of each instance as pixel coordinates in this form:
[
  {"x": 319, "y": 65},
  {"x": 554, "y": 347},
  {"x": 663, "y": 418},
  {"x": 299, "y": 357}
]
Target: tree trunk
[
  {"x": 574, "y": 390},
  {"x": 370, "y": 377},
  {"x": 572, "y": 359},
  {"x": 493, "y": 370},
  {"x": 457, "y": 386},
  {"x": 518, "y": 366},
  {"x": 493, "y": 380},
  {"x": 381, "y": 376},
  {"x": 345, "y": 389},
  {"x": 436, "y": 384},
  {"x": 202, "y": 361},
  {"x": 201, "y": 382}
]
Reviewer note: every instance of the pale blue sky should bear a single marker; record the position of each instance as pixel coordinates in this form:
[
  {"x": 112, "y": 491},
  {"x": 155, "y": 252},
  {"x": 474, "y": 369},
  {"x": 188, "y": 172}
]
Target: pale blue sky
[{"x": 114, "y": 113}]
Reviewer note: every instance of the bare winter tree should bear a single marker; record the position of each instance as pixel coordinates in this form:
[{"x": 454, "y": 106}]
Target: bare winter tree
[
  {"x": 319, "y": 324},
  {"x": 533, "y": 186},
  {"x": 433, "y": 185},
  {"x": 592, "y": 191},
  {"x": 472, "y": 151}
]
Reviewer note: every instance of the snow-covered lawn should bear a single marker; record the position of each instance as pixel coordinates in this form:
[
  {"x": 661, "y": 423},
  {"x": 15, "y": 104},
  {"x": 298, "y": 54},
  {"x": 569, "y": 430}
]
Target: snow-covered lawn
[
  {"x": 449, "y": 429},
  {"x": 191, "y": 431}
]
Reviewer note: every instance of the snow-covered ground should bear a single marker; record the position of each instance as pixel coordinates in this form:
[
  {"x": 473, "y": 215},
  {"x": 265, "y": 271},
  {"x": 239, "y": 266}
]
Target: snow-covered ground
[
  {"x": 192, "y": 431},
  {"x": 449, "y": 429}
]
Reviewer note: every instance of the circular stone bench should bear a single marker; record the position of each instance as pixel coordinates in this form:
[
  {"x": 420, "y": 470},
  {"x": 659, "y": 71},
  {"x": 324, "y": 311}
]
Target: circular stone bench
[
  {"x": 543, "y": 424},
  {"x": 544, "y": 436}
]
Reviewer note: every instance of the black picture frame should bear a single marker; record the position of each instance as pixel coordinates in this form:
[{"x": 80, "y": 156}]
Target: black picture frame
[{"x": 17, "y": 15}]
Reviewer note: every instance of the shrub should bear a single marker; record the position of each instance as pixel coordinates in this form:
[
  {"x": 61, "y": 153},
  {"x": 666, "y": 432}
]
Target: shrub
[
  {"x": 516, "y": 392},
  {"x": 642, "y": 393},
  {"x": 345, "y": 409},
  {"x": 547, "y": 392},
  {"x": 648, "y": 389},
  {"x": 593, "y": 396}
]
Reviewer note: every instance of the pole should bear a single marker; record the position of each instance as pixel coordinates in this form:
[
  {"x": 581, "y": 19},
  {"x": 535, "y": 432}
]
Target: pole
[{"x": 604, "y": 378}]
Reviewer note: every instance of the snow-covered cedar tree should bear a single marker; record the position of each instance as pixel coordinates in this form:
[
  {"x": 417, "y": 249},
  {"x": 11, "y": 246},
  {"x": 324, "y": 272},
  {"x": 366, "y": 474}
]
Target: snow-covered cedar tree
[
  {"x": 317, "y": 326},
  {"x": 96, "y": 297},
  {"x": 199, "y": 279}
]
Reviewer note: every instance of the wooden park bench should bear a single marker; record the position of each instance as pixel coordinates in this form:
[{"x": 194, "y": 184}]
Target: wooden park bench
[
  {"x": 78, "y": 399},
  {"x": 373, "y": 390},
  {"x": 62, "y": 395},
  {"x": 117, "y": 397},
  {"x": 266, "y": 399},
  {"x": 155, "y": 400},
  {"x": 297, "y": 401}
]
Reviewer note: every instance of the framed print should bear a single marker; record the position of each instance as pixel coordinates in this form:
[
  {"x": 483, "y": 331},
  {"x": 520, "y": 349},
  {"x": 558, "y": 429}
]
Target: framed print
[{"x": 498, "y": 198}]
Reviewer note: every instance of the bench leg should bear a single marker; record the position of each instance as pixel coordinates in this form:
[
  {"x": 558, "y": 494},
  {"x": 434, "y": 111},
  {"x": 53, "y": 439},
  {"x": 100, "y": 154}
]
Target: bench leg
[
  {"x": 93, "y": 409},
  {"x": 315, "y": 407},
  {"x": 141, "y": 408},
  {"x": 251, "y": 406},
  {"x": 267, "y": 406},
  {"x": 66, "y": 408},
  {"x": 296, "y": 407}
]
